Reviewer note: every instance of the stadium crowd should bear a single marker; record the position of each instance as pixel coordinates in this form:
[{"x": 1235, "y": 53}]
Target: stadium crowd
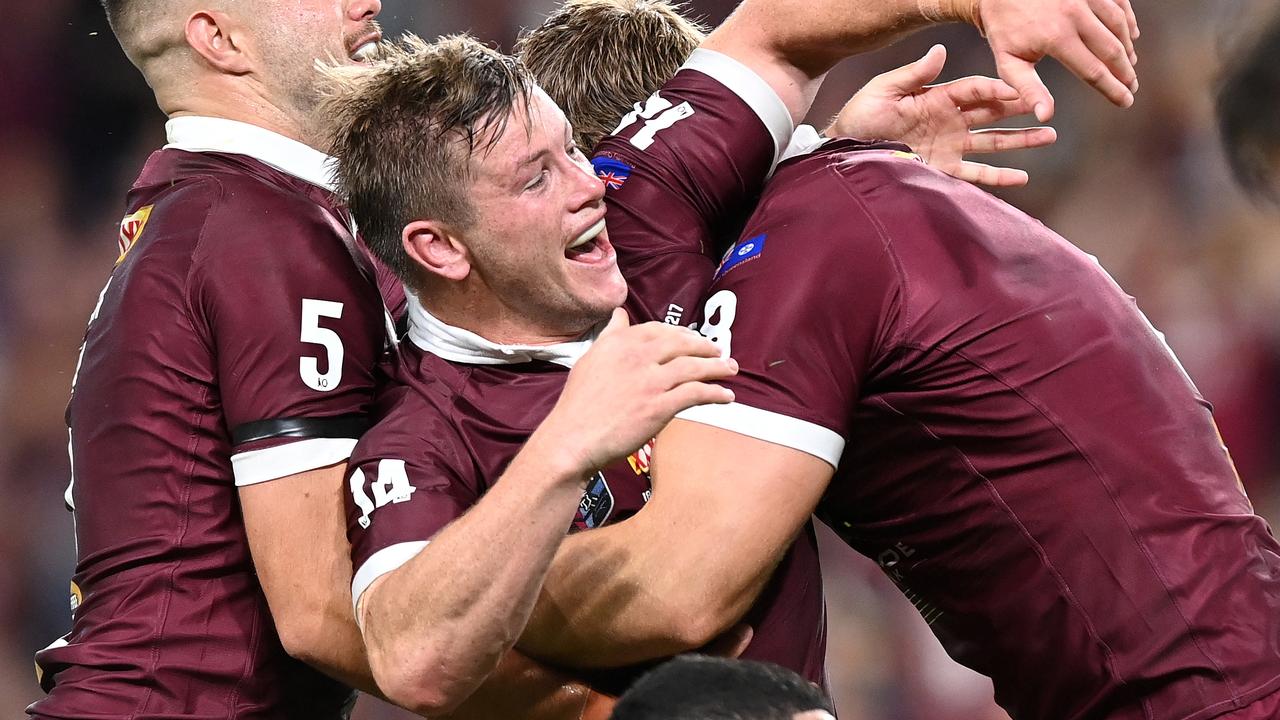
[{"x": 1146, "y": 190}]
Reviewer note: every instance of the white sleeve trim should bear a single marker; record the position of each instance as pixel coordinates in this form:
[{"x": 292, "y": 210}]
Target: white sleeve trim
[
  {"x": 754, "y": 91},
  {"x": 273, "y": 463},
  {"x": 779, "y": 429},
  {"x": 382, "y": 562},
  {"x": 804, "y": 140}
]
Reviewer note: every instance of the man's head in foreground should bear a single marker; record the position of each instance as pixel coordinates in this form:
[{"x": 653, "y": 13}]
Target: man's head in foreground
[
  {"x": 1249, "y": 112},
  {"x": 698, "y": 687},
  {"x": 596, "y": 58},
  {"x": 467, "y": 183},
  {"x": 249, "y": 60}
]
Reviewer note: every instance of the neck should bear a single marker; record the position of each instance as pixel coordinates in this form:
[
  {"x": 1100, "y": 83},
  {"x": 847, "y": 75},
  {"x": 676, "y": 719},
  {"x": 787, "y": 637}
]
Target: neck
[{"x": 247, "y": 104}]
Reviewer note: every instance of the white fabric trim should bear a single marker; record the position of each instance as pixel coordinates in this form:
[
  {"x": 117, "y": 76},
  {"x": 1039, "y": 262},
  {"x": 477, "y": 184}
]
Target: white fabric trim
[
  {"x": 273, "y": 463},
  {"x": 779, "y": 429},
  {"x": 382, "y": 562},
  {"x": 463, "y": 346},
  {"x": 209, "y": 134},
  {"x": 804, "y": 140},
  {"x": 753, "y": 90}
]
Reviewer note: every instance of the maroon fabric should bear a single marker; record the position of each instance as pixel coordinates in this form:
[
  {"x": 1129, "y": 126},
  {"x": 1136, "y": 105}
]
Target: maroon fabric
[
  {"x": 691, "y": 187},
  {"x": 457, "y": 426},
  {"x": 1025, "y": 457},
  {"x": 198, "y": 333}
]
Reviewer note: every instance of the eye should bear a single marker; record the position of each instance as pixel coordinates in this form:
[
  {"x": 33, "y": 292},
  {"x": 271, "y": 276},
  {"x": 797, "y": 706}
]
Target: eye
[
  {"x": 574, "y": 151},
  {"x": 537, "y": 182}
]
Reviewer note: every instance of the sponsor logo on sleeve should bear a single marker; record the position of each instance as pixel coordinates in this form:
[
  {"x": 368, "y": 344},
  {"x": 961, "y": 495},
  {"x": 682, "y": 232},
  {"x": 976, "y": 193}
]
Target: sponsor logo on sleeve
[
  {"x": 743, "y": 252},
  {"x": 131, "y": 228},
  {"x": 596, "y": 504},
  {"x": 612, "y": 171}
]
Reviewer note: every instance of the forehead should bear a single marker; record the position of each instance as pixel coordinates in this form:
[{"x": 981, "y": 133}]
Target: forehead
[{"x": 528, "y": 131}]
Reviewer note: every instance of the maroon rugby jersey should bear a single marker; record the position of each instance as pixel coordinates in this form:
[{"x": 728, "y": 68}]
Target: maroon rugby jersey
[
  {"x": 693, "y": 155},
  {"x": 1015, "y": 444},
  {"x": 234, "y": 343},
  {"x": 457, "y": 412}
]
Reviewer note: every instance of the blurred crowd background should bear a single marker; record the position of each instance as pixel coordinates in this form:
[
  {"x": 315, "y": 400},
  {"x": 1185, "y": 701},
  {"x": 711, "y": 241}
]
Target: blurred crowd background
[{"x": 1146, "y": 190}]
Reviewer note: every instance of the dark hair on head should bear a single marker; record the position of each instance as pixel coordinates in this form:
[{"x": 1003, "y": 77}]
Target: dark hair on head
[
  {"x": 406, "y": 128},
  {"x": 1248, "y": 106},
  {"x": 596, "y": 58},
  {"x": 698, "y": 687}
]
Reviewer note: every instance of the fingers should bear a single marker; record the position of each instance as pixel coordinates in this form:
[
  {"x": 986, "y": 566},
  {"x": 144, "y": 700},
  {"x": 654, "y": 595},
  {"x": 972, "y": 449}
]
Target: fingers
[
  {"x": 697, "y": 369},
  {"x": 992, "y": 112},
  {"x": 1118, "y": 16},
  {"x": 1021, "y": 74},
  {"x": 693, "y": 394},
  {"x": 1001, "y": 140},
  {"x": 910, "y": 78},
  {"x": 662, "y": 343},
  {"x": 1134, "y": 31},
  {"x": 1085, "y": 63},
  {"x": 1102, "y": 39},
  {"x": 978, "y": 89},
  {"x": 981, "y": 174}
]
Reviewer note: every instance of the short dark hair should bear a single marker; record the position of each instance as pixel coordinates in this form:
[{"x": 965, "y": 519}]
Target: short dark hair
[
  {"x": 699, "y": 687},
  {"x": 1248, "y": 105},
  {"x": 406, "y": 128},
  {"x": 596, "y": 58}
]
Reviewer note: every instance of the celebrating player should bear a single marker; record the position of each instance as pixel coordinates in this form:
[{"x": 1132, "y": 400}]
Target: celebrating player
[
  {"x": 224, "y": 379},
  {"x": 507, "y": 282},
  {"x": 974, "y": 404}
]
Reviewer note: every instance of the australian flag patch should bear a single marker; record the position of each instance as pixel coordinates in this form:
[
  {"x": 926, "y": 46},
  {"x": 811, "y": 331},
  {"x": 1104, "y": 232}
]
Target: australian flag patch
[
  {"x": 596, "y": 504},
  {"x": 743, "y": 252},
  {"x": 612, "y": 171}
]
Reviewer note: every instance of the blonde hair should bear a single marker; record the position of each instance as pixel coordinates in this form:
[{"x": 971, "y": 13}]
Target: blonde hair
[
  {"x": 596, "y": 58},
  {"x": 406, "y": 128}
]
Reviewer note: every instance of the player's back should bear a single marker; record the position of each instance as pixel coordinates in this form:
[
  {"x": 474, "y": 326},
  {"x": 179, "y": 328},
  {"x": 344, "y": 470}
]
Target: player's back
[
  {"x": 169, "y": 618},
  {"x": 1023, "y": 454}
]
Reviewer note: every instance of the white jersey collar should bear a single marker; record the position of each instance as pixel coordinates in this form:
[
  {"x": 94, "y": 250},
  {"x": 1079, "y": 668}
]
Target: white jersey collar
[
  {"x": 463, "y": 346},
  {"x": 209, "y": 134}
]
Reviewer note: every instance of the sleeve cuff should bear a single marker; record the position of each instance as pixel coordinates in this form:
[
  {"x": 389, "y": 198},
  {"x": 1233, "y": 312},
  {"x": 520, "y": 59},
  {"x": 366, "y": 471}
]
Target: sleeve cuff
[
  {"x": 751, "y": 88},
  {"x": 273, "y": 463},
  {"x": 816, "y": 440},
  {"x": 380, "y": 563}
]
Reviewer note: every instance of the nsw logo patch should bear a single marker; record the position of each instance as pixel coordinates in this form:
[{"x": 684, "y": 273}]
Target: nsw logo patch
[
  {"x": 612, "y": 171},
  {"x": 743, "y": 252}
]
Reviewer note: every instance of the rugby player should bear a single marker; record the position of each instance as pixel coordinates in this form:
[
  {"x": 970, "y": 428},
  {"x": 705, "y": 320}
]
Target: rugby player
[
  {"x": 225, "y": 376},
  {"x": 974, "y": 404},
  {"x": 450, "y": 430}
]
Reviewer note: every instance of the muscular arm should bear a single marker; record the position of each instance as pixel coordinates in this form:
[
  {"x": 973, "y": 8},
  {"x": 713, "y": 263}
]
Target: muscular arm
[
  {"x": 725, "y": 508},
  {"x": 306, "y": 574}
]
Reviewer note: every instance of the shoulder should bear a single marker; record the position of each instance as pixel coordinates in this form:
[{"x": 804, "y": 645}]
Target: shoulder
[{"x": 416, "y": 415}]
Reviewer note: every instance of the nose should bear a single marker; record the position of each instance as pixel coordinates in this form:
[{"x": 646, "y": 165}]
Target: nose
[
  {"x": 364, "y": 10},
  {"x": 589, "y": 190}
]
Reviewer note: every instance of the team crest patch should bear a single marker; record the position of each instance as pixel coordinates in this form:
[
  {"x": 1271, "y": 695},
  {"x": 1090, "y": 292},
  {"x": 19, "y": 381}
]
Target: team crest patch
[
  {"x": 613, "y": 172},
  {"x": 596, "y": 504},
  {"x": 743, "y": 252},
  {"x": 131, "y": 228},
  {"x": 639, "y": 460}
]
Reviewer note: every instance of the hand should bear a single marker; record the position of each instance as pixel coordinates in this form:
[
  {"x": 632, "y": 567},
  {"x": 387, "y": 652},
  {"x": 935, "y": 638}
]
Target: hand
[
  {"x": 937, "y": 121},
  {"x": 1091, "y": 38},
  {"x": 628, "y": 386}
]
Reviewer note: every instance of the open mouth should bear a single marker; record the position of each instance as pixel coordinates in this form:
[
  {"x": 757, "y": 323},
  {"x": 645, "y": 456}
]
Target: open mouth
[
  {"x": 366, "y": 52},
  {"x": 591, "y": 246}
]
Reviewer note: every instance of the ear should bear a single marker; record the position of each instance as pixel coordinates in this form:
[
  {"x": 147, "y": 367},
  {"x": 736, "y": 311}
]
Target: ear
[
  {"x": 435, "y": 248},
  {"x": 213, "y": 36}
]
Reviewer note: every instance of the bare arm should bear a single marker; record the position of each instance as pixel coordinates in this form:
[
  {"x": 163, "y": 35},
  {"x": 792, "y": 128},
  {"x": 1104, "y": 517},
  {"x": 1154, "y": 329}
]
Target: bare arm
[
  {"x": 791, "y": 44},
  {"x": 297, "y": 535},
  {"x": 437, "y": 626},
  {"x": 725, "y": 509}
]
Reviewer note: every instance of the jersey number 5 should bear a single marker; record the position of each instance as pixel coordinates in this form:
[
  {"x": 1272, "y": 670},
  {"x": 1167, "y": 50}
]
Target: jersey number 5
[{"x": 309, "y": 367}]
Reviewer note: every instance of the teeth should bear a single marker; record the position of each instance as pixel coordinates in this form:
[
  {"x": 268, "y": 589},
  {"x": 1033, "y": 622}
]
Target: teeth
[
  {"x": 365, "y": 51},
  {"x": 589, "y": 235}
]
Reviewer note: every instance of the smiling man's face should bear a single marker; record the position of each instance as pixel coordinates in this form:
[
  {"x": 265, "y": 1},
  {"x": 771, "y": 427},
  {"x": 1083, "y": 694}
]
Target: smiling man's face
[{"x": 538, "y": 241}]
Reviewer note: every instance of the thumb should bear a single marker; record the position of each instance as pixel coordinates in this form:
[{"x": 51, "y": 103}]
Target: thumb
[
  {"x": 618, "y": 321},
  {"x": 910, "y": 78},
  {"x": 1022, "y": 75}
]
